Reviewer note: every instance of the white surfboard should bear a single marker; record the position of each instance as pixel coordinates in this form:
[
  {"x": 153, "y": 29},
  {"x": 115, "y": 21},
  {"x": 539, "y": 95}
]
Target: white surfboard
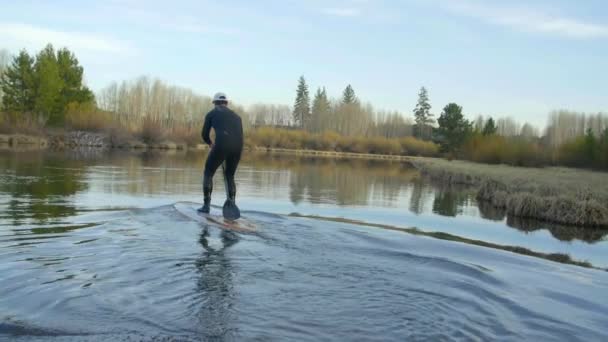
[{"x": 214, "y": 218}]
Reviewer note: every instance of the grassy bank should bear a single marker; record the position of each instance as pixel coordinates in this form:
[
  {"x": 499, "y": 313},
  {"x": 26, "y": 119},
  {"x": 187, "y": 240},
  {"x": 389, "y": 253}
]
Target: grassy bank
[
  {"x": 553, "y": 194},
  {"x": 332, "y": 142}
]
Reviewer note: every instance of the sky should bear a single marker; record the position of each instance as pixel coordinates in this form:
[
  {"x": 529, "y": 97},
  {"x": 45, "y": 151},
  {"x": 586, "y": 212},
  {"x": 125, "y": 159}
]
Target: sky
[{"x": 501, "y": 58}]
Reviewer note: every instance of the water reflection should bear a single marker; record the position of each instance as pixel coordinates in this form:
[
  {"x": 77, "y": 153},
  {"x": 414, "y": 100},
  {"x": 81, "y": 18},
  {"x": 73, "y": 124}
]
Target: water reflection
[
  {"x": 558, "y": 231},
  {"x": 451, "y": 200},
  {"x": 40, "y": 187},
  {"x": 215, "y": 286},
  {"x": 418, "y": 197},
  {"x": 490, "y": 212},
  {"x": 341, "y": 182}
]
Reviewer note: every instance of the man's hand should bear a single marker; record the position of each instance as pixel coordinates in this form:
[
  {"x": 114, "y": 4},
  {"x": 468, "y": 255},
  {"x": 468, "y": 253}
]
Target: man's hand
[{"x": 211, "y": 146}]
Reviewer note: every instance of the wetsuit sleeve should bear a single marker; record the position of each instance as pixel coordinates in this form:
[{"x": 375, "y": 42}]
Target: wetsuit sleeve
[{"x": 207, "y": 129}]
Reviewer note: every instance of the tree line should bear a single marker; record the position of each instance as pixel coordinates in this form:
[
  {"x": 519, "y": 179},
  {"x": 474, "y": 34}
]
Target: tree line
[
  {"x": 49, "y": 87},
  {"x": 347, "y": 115},
  {"x": 46, "y": 85},
  {"x": 570, "y": 138}
]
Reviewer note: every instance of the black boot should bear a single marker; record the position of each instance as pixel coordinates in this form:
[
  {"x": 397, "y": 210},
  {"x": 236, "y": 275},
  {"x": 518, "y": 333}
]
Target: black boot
[
  {"x": 230, "y": 210},
  {"x": 207, "y": 189}
]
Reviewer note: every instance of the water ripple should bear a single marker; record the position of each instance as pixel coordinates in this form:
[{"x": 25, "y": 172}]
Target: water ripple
[{"x": 152, "y": 274}]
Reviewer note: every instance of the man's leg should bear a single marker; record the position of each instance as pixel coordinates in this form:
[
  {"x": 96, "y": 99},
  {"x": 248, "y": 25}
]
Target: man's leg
[
  {"x": 214, "y": 160},
  {"x": 232, "y": 162}
]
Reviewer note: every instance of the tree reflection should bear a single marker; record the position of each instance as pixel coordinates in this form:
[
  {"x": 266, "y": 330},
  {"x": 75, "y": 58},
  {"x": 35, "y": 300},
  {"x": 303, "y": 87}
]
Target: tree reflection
[
  {"x": 450, "y": 200},
  {"x": 417, "y": 197},
  {"x": 490, "y": 212},
  {"x": 40, "y": 185},
  {"x": 339, "y": 181},
  {"x": 560, "y": 232}
]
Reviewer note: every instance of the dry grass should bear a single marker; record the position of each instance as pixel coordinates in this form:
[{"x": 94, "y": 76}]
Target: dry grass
[
  {"x": 85, "y": 117},
  {"x": 494, "y": 149},
  {"x": 330, "y": 141},
  {"x": 20, "y": 123},
  {"x": 554, "y": 194}
]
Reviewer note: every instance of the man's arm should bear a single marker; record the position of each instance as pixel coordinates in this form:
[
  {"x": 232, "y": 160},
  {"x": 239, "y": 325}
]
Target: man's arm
[{"x": 207, "y": 129}]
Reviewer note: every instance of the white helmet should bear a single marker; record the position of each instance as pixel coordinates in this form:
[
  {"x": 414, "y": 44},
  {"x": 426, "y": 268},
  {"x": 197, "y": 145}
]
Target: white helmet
[{"x": 220, "y": 97}]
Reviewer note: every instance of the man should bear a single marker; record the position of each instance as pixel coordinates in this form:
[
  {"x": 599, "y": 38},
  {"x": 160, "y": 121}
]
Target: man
[{"x": 227, "y": 147}]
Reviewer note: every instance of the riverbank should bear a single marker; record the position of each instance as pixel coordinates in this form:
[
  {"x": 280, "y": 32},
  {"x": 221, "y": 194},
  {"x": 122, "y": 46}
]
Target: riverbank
[
  {"x": 76, "y": 139},
  {"x": 80, "y": 139},
  {"x": 552, "y": 194},
  {"x": 20, "y": 140}
]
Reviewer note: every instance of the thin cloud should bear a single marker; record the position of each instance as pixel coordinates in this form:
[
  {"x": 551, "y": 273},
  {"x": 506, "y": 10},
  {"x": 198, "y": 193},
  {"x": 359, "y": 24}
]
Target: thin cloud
[
  {"x": 194, "y": 27},
  {"x": 342, "y": 12},
  {"x": 28, "y": 35},
  {"x": 529, "y": 20},
  {"x": 175, "y": 21}
]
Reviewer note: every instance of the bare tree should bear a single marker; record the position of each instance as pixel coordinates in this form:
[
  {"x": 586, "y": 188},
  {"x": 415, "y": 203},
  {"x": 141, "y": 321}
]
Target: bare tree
[
  {"x": 565, "y": 125},
  {"x": 507, "y": 127}
]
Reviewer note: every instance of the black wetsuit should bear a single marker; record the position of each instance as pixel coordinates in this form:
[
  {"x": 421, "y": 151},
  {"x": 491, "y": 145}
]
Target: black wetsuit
[{"x": 227, "y": 147}]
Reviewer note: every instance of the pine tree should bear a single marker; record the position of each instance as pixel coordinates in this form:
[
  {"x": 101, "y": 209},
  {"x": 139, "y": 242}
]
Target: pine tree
[
  {"x": 17, "y": 84},
  {"x": 348, "y": 96},
  {"x": 320, "y": 110},
  {"x": 71, "y": 73},
  {"x": 423, "y": 116},
  {"x": 489, "y": 128},
  {"x": 453, "y": 128},
  {"x": 591, "y": 148},
  {"x": 301, "y": 108},
  {"x": 48, "y": 86}
]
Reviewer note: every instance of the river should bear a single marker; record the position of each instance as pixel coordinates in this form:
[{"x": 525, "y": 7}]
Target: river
[{"x": 93, "y": 247}]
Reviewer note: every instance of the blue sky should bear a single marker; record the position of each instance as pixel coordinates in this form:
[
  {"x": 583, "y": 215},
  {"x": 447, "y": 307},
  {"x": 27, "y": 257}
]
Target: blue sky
[{"x": 516, "y": 58}]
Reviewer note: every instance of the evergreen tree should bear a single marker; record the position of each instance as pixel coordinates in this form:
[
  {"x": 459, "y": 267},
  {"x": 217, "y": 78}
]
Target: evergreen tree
[
  {"x": 453, "y": 128},
  {"x": 320, "y": 110},
  {"x": 301, "y": 109},
  {"x": 349, "y": 97},
  {"x": 489, "y": 128},
  {"x": 423, "y": 116},
  {"x": 591, "y": 148},
  {"x": 17, "y": 84},
  {"x": 48, "y": 86},
  {"x": 71, "y": 73}
]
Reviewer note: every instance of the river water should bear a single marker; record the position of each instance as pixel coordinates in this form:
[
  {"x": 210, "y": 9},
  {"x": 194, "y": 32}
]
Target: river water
[{"x": 94, "y": 248}]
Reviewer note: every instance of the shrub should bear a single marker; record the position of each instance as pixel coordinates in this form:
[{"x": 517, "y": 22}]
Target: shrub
[
  {"x": 494, "y": 149},
  {"x": 416, "y": 147},
  {"x": 331, "y": 141},
  {"x": 189, "y": 136},
  {"x": 151, "y": 131},
  {"x": 86, "y": 117},
  {"x": 25, "y": 123}
]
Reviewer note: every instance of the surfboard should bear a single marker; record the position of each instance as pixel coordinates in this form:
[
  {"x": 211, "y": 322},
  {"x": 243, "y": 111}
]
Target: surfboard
[{"x": 214, "y": 218}]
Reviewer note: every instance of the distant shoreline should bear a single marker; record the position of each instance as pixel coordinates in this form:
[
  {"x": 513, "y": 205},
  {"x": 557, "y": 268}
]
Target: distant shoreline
[
  {"x": 93, "y": 140},
  {"x": 551, "y": 194}
]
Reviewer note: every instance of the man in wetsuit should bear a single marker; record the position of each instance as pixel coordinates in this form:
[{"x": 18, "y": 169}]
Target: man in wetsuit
[{"x": 227, "y": 147}]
